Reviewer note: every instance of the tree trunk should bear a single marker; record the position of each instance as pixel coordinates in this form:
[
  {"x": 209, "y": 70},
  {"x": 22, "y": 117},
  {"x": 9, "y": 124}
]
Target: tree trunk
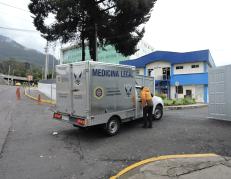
[
  {"x": 82, "y": 38},
  {"x": 93, "y": 43},
  {"x": 83, "y": 46}
]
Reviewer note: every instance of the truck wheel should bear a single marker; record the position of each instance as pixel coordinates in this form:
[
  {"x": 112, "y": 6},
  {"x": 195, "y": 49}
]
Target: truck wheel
[
  {"x": 113, "y": 126},
  {"x": 158, "y": 112}
]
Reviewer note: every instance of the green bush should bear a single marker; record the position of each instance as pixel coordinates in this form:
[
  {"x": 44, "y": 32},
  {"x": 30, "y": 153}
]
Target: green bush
[
  {"x": 168, "y": 102},
  {"x": 189, "y": 101},
  {"x": 183, "y": 101},
  {"x": 179, "y": 102}
]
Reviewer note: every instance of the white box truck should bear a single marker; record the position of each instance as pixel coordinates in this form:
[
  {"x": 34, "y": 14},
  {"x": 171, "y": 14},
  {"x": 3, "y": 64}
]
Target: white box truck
[{"x": 93, "y": 93}]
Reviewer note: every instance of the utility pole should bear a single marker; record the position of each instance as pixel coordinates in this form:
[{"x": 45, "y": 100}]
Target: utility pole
[
  {"x": 53, "y": 66},
  {"x": 46, "y": 62},
  {"x": 42, "y": 73},
  {"x": 9, "y": 75},
  {"x": 12, "y": 78}
]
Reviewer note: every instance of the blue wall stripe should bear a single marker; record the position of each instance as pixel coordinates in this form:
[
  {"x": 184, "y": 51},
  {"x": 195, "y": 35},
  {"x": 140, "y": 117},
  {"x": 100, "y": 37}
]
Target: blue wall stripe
[{"x": 190, "y": 79}]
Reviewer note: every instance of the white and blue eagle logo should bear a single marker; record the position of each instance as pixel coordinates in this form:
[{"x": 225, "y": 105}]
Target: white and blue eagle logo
[
  {"x": 128, "y": 89},
  {"x": 77, "y": 78}
]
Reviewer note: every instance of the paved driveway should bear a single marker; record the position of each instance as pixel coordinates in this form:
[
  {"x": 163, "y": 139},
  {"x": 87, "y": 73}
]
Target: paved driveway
[{"x": 31, "y": 151}]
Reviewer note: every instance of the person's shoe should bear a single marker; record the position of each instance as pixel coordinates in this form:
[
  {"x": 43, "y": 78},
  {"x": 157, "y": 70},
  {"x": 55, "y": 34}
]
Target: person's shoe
[
  {"x": 149, "y": 126},
  {"x": 144, "y": 126}
]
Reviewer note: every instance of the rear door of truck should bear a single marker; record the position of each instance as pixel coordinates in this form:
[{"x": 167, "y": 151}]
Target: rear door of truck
[
  {"x": 63, "y": 89},
  {"x": 80, "y": 89},
  {"x": 72, "y": 89}
]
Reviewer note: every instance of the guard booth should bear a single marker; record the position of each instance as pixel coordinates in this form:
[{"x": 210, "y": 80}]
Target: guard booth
[{"x": 220, "y": 93}]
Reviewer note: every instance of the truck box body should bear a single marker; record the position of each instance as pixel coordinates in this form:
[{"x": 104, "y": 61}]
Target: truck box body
[
  {"x": 220, "y": 93},
  {"x": 71, "y": 92},
  {"x": 96, "y": 91}
]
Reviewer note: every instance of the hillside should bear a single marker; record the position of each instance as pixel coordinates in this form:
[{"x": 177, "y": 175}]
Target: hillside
[{"x": 10, "y": 49}]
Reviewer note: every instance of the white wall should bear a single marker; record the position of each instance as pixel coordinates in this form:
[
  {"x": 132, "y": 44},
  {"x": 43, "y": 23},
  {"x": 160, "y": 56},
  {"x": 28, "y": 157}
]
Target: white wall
[
  {"x": 199, "y": 95},
  {"x": 197, "y": 92},
  {"x": 157, "y": 66},
  {"x": 48, "y": 89},
  {"x": 173, "y": 91},
  {"x": 141, "y": 71},
  {"x": 187, "y": 69}
]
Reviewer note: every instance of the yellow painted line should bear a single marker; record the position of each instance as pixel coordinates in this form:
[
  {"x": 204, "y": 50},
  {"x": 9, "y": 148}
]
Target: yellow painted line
[
  {"x": 36, "y": 99},
  {"x": 30, "y": 96},
  {"x": 165, "y": 157}
]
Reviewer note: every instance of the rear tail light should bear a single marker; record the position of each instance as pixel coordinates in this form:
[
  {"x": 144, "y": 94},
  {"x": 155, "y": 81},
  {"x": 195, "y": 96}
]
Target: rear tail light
[
  {"x": 81, "y": 122},
  {"x": 57, "y": 116}
]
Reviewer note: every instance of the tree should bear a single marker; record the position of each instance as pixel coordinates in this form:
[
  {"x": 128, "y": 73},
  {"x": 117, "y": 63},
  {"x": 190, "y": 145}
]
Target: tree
[
  {"x": 114, "y": 22},
  {"x": 20, "y": 69}
]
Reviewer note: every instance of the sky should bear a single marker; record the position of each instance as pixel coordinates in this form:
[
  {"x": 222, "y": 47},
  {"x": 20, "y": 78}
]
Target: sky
[{"x": 179, "y": 25}]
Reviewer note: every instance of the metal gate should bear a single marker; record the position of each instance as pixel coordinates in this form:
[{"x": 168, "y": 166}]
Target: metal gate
[{"x": 220, "y": 93}]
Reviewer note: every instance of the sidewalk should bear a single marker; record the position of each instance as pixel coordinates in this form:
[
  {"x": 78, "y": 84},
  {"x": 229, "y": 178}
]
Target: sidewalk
[
  {"x": 199, "y": 166},
  {"x": 34, "y": 93},
  {"x": 191, "y": 106}
]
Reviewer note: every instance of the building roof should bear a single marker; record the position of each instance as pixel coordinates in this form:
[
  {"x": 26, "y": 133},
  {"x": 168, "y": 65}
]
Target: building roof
[{"x": 171, "y": 57}]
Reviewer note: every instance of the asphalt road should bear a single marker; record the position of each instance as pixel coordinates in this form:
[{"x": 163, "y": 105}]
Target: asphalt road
[
  {"x": 7, "y": 105},
  {"x": 31, "y": 151}
]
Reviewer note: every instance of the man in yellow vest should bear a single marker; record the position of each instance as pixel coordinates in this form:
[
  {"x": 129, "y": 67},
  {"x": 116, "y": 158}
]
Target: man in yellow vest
[{"x": 147, "y": 104}]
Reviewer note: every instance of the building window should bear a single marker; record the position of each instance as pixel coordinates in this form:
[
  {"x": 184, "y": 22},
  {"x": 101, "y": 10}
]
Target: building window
[
  {"x": 179, "y": 89},
  {"x": 195, "y": 66},
  {"x": 149, "y": 72},
  {"x": 137, "y": 72},
  {"x": 179, "y": 67}
]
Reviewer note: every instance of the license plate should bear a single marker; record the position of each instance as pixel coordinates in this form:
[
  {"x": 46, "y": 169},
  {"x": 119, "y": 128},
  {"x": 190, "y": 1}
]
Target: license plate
[{"x": 65, "y": 118}]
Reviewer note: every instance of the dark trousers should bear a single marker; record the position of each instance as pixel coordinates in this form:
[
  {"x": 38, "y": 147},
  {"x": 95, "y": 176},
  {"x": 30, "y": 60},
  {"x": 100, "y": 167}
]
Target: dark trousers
[{"x": 147, "y": 116}]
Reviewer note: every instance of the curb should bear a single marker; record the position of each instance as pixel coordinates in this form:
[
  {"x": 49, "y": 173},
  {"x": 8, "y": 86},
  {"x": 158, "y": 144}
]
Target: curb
[
  {"x": 52, "y": 102},
  {"x": 164, "y": 157},
  {"x": 184, "y": 107}
]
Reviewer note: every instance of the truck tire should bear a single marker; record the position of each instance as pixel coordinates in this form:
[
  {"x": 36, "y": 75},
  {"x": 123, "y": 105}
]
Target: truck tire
[
  {"x": 158, "y": 112},
  {"x": 112, "y": 126}
]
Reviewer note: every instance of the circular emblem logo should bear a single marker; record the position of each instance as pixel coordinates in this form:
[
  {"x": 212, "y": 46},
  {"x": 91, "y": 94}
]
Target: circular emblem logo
[{"x": 98, "y": 92}]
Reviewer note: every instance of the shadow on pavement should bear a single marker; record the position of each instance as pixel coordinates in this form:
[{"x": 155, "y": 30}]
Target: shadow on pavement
[
  {"x": 221, "y": 123},
  {"x": 97, "y": 132}
]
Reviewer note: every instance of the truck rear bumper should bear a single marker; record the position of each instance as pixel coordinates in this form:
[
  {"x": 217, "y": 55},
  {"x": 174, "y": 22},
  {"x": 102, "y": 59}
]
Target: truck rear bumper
[{"x": 74, "y": 120}]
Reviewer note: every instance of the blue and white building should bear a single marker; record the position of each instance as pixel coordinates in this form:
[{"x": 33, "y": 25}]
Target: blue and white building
[{"x": 177, "y": 74}]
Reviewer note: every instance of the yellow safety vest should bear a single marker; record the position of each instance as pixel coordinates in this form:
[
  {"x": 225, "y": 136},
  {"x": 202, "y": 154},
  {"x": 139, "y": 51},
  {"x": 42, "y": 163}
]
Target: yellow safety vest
[{"x": 146, "y": 97}]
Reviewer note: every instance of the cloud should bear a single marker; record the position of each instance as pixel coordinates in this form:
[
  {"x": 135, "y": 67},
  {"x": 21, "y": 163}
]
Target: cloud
[
  {"x": 16, "y": 18},
  {"x": 182, "y": 26}
]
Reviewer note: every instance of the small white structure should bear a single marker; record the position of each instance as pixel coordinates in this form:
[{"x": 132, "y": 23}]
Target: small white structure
[{"x": 47, "y": 88}]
